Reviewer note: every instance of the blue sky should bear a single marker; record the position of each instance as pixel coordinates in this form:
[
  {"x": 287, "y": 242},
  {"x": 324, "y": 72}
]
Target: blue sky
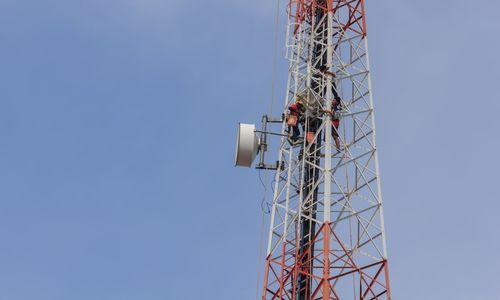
[{"x": 117, "y": 127}]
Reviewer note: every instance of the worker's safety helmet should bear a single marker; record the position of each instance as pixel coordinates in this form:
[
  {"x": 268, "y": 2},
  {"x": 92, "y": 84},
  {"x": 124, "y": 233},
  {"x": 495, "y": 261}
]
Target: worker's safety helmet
[
  {"x": 302, "y": 100},
  {"x": 299, "y": 100}
]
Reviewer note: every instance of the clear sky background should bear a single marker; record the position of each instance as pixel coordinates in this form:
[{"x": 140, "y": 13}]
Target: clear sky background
[{"x": 117, "y": 128}]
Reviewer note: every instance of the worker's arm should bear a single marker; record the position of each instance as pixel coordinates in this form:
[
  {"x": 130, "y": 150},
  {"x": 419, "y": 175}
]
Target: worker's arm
[{"x": 330, "y": 73}]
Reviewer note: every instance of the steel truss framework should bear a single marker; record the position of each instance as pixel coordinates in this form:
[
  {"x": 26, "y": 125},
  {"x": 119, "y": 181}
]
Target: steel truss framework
[{"x": 327, "y": 239}]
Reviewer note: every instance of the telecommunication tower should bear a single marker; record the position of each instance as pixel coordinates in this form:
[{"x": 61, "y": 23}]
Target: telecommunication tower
[{"x": 326, "y": 236}]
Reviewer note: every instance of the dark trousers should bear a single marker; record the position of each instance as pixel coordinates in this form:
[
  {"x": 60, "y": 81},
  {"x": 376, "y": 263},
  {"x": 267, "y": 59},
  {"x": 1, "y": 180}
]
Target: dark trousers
[
  {"x": 334, "y": 91},
  {"x": 295, "y": 131}
]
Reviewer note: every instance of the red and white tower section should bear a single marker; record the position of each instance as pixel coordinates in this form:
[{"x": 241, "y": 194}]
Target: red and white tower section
[{"x": 326, "y": 237}]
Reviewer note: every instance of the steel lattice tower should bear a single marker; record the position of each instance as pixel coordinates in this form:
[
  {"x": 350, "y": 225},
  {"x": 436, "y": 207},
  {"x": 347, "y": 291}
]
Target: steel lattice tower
[{"x": 326, "y": 238}]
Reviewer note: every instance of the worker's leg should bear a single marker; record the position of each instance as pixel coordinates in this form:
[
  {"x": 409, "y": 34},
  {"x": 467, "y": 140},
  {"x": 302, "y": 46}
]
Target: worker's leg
[
  {"x": 335, "y": 134},
  {"x": 334, "y": 90},
  {"x": 296, "y": 132},
  {"x": 337, "y": 142}
]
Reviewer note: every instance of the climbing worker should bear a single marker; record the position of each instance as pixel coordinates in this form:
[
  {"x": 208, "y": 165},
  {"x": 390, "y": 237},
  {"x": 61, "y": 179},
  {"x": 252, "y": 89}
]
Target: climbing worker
[
  {"x": 324, "y": 70},
  {"x": 335, "y": 113},
  {"x": 295, "y": 115}
]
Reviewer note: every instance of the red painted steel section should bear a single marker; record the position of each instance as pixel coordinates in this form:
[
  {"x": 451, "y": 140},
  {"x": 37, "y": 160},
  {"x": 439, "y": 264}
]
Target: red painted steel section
[
  {"x": 372, "y": 285},
  {"x": 304, "y": 10}
]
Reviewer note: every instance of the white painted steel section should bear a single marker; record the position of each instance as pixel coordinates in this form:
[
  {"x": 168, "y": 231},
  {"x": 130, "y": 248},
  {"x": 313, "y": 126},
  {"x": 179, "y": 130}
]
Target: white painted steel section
[
  {"x": 328, "y": 127},
  {"x": 377, "y": 168}
]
